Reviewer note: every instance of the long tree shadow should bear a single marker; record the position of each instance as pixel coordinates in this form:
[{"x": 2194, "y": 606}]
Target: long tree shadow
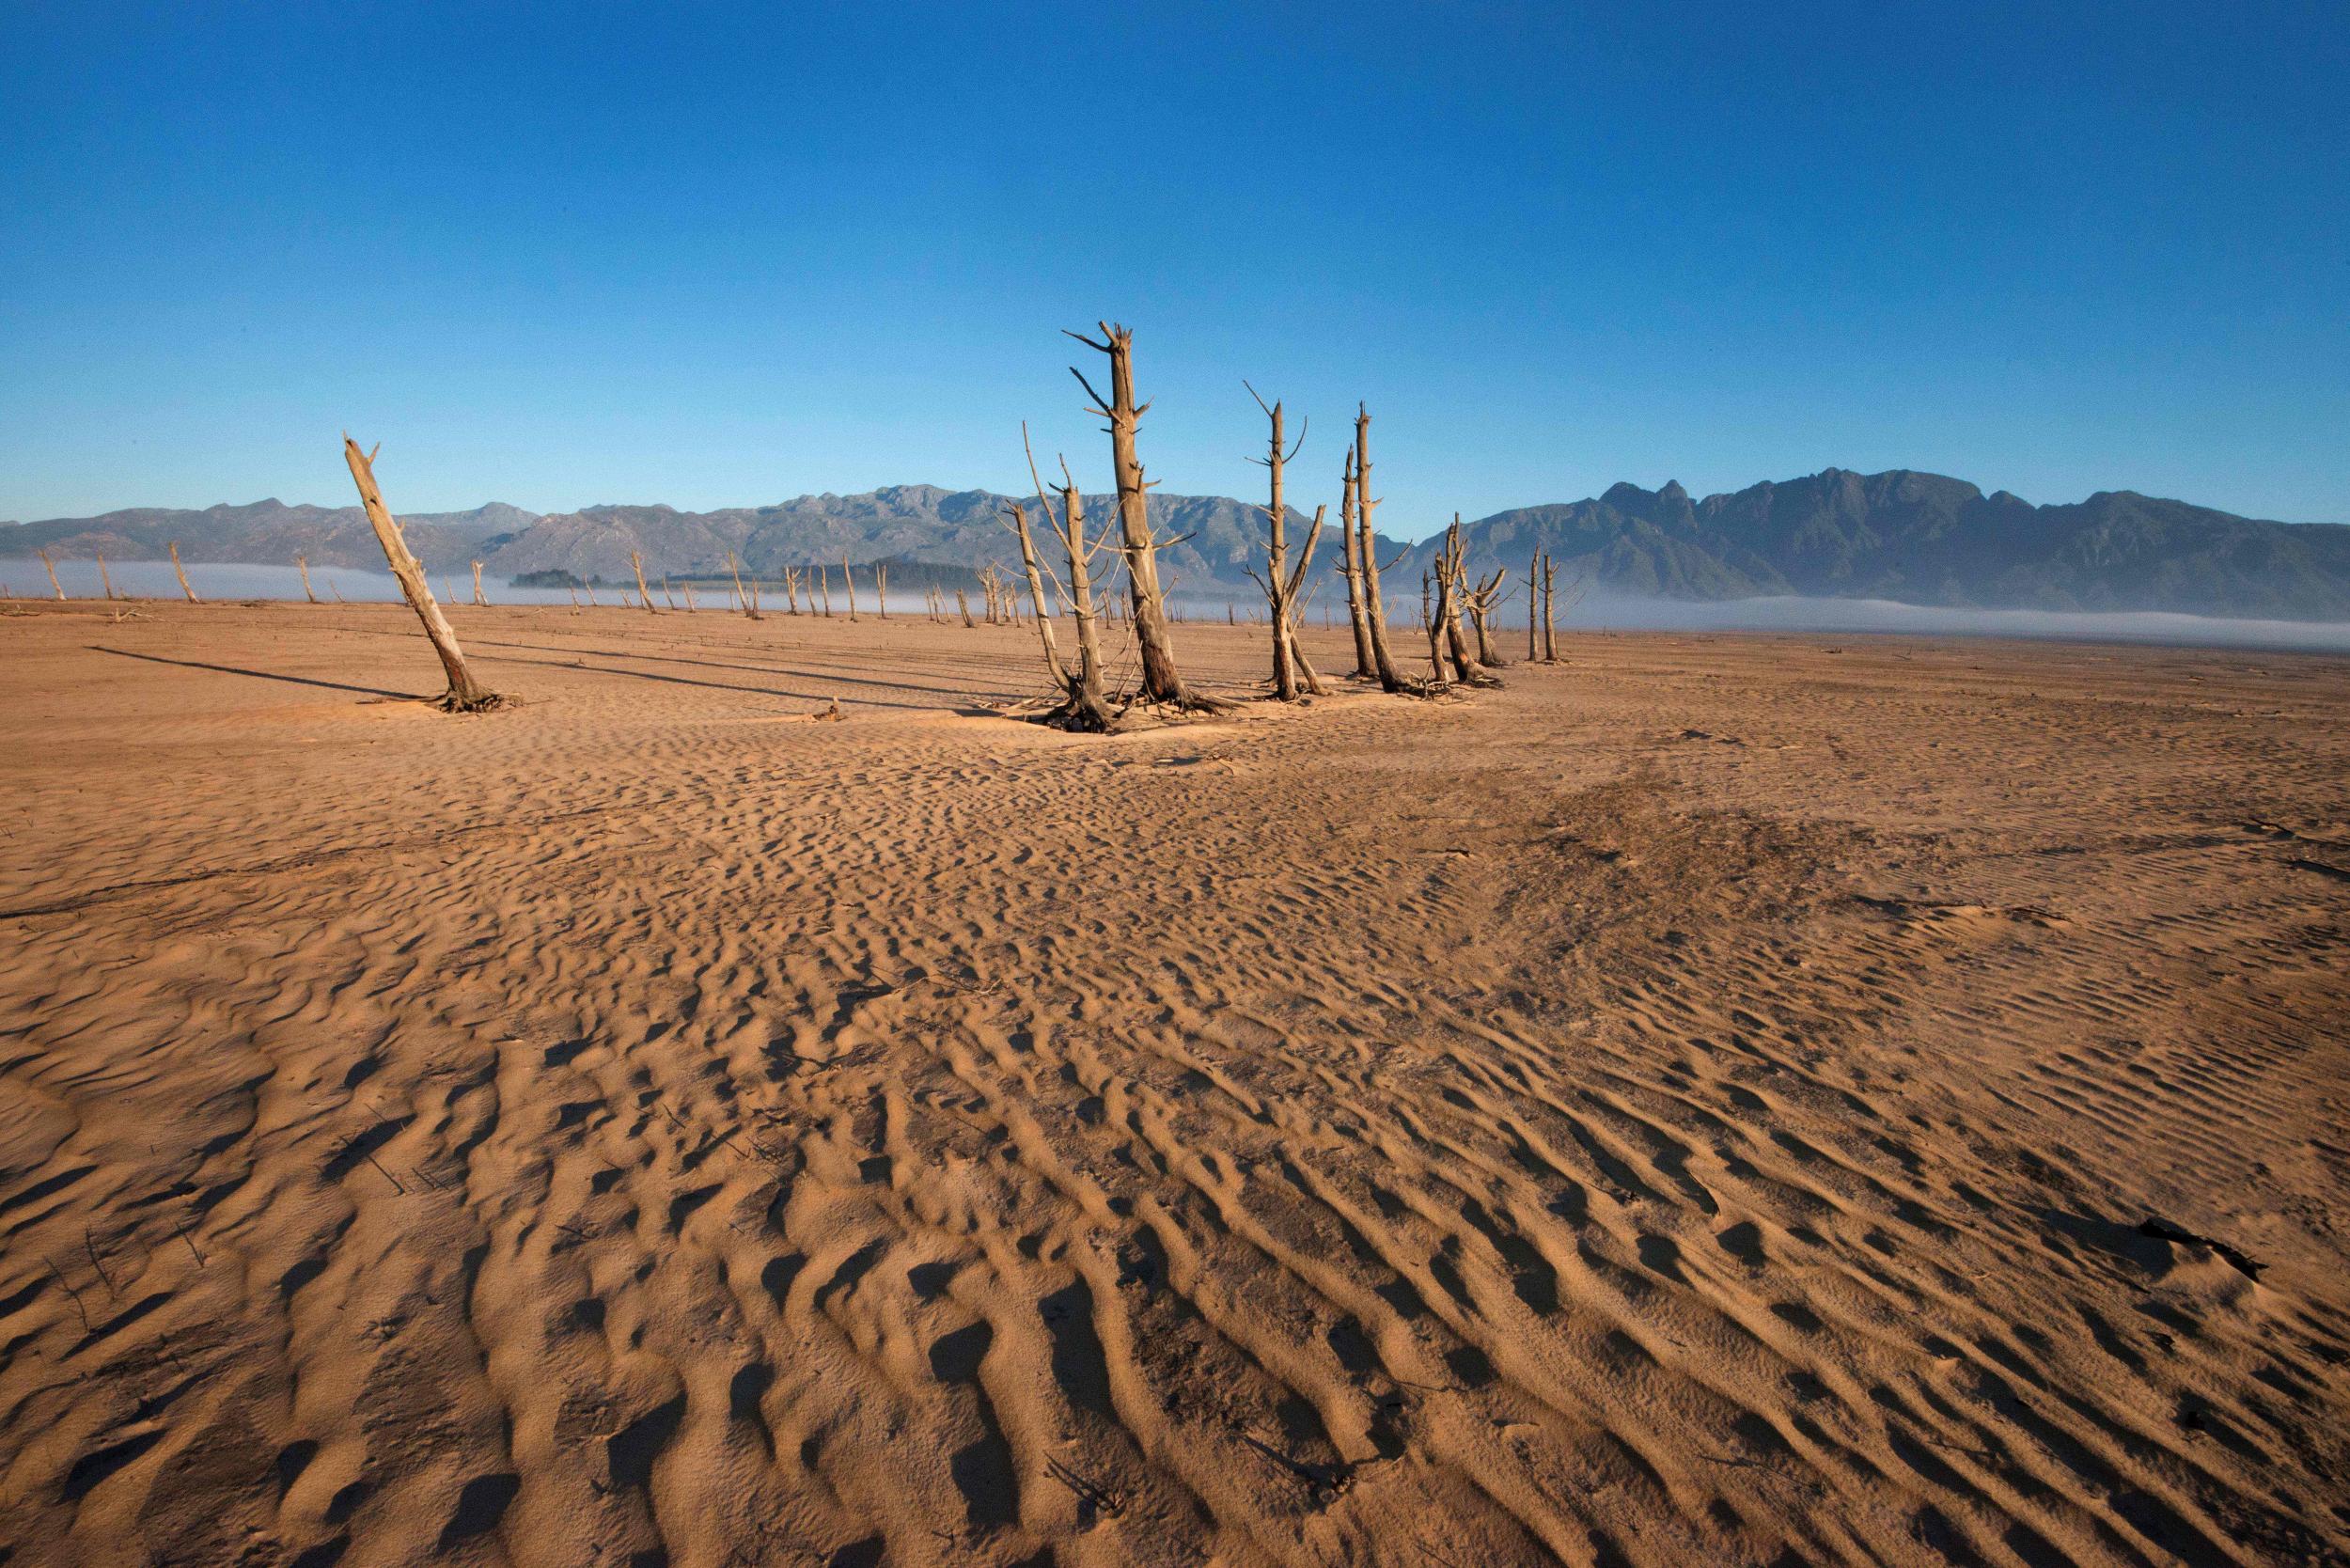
[
  {"x": 713, "y": 685},
  {"x": 261, "y": 675},
  {"x": 843, "y": 677}
]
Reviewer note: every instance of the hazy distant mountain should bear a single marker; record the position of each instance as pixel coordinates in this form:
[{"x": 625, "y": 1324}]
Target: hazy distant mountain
[
  {"x": 1900, "y": 535},
  {"x": 1927, "y": 540}
]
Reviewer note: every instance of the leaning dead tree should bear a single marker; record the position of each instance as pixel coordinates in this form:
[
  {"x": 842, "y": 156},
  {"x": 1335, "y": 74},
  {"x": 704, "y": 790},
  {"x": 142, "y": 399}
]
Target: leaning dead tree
[
  {"x": 849, "y": 578},
  {"x": 464, "y": 695},
  {"x": 1367, "y": 557},
  {"x": 183, "y": 572},
  {"x": 60, "y": 586},
  {"x": 636, "y": 564},
  {"x": 1161, "y": 681},
  {"x": 301, "y": 562},
  {"x": 1084, "y": 703},
  {"x": 746, "y": 600},
  {"x": 106, "y": 578},
  {"x": 478, "y": 597}
]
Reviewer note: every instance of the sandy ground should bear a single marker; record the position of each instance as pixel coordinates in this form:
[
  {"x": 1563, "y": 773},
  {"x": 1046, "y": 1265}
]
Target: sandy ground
[{"x": 1695, "y": 1106}]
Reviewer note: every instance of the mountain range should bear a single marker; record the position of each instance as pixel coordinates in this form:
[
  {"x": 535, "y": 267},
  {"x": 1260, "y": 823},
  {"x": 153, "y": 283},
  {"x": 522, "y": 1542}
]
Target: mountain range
[{"x": 1916, "y": 537}]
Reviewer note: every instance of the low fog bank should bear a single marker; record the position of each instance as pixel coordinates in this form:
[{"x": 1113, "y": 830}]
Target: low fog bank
[
  {"x": 24, "y": 578},
  {"x": 1798, "y": 614}
]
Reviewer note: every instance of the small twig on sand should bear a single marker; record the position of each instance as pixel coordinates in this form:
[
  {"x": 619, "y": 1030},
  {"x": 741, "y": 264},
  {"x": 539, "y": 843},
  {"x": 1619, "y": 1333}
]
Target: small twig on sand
[
  {"x": 90, "y": 1246},
  {"x": 69, "y": 1290},
  {"x": 181, "y": 1226}
]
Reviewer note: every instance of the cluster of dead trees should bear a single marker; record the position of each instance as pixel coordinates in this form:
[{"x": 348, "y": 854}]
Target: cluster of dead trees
[
  {"x": 1447, "y": 593},
  {"x": 1458, "y": 614}
]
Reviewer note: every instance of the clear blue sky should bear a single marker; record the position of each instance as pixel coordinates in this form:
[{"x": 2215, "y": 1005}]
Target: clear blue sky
[{"x": 717, "y": 256}]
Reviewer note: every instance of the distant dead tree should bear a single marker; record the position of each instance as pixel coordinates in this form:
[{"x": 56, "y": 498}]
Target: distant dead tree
[
  {"x": 464, "y": 695},
  {"x": 1367, "y": 547},
  {"x": 106, "y": 578},
  {"x": 881, "y": 590},
  {"x": 181, "y": 572},
  {"x": 478, "y": 597},
  {"x": 667, "y": 596},
  {"x": 962, "y": 603},
  {"x": 60, "y": 586},
  {"x": 302, "y": 563},
  {"x": 849, "y": 578},
  {"x": 747, "y": 601},
  {"x": 688, "y": 586},
  {"x": 636, "y": 564},
  {"x": 592, "y": 602},
  {"x": 1161, "y": 681}
]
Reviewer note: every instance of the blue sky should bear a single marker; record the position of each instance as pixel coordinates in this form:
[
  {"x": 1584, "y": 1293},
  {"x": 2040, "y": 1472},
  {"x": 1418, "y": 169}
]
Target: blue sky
[{"x": 717, "y": 256}]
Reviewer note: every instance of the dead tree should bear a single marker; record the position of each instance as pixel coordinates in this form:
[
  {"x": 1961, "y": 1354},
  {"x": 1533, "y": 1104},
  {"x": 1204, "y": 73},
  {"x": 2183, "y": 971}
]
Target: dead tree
[
  {"x": 1353, "y": 565},
  {"x": 747, "y": 601},
  {"x": 1533, "y": 605},
  {"x": 301, "y": 563},
  {"x": 688, "y": 586},
  {"x": 464, "y": 695},
  {"x": 962, "y": 603},
  {"x": 1161, "y": 681},
  {"x": 1018, "y": 515},
  {"x": 1383, "y": 662},
  {"x": 1550, "y": 631},
  {"x": 849, "y": 578},
  {"x": 478, "y": 597},
  {"x": 1453, "y": 593},
  {"x": 1084, "y": 704},
  {"x": 60, "y": 586},
  {"x": 636, "y": 564},
  {"x": 106, "y": 578},
  {"x": 824, "y": 578},
  {"x": 1435, "y": 644},
  {"x": 1483, "y": 600},
  {"x": 181, "y": 572},
  {"x": 1278, "y": 584},
  {"x": 881, "y": 591}
]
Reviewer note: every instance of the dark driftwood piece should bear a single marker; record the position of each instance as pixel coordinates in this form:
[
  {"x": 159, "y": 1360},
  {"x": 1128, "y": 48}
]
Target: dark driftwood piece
[{"x": 464, "y": 695}]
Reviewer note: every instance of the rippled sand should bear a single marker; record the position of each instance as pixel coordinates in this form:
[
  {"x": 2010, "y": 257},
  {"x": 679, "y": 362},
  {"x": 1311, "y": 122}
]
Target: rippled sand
[{"x": 1698, "y": 1104}]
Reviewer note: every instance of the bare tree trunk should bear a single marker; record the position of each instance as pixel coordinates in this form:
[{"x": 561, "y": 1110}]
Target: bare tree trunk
[
  {"x": 1550, "y": 599},
  {"x": 464, "y": 695},
  {"x": 303, "y": 562},
  {"x": 1161, "y": 681},
  {"x": 106, "y": 578},
  {"x": 824, "y": 576},
  {"x": 690, "y": 605},
  {"x": 1356, "y": 614},
  {"x": 181, "y": 572},
  {"x": 962, "y": 603},
  {"x": 1383, "y": 662},
  {"x": 1275, "y": 582},
  {"x": 881, "y": 591},
  {"x": 60, "y": 586},
  {"x": 1482, "y": 604},
  {"x": 743, "y": 598},
  {"x": 1294, "y": 606},
  {"x": 847, "y": 579},
  {"x": 478, "y": 597},
  {"x": 1036, "y": 591},
  {"x": 1428, "y": 620},
  {"x": 636, "y": 564},
  {"x": 1533, "y": 604}
]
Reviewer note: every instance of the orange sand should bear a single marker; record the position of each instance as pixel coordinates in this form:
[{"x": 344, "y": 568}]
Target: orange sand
[{"x": 1694, "y": 1106}]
